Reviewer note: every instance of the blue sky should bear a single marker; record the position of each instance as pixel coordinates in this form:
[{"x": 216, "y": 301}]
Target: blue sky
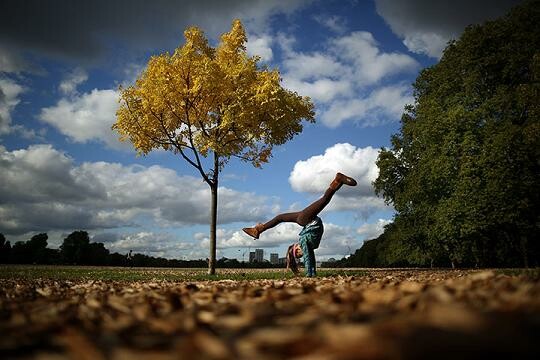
[{"x": 63, "y": 169}]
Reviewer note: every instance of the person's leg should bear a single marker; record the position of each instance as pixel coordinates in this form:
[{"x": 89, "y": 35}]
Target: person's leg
[
  {"x": 259, "y": 228},
  {"x": 309, "y": 213},
  {"x": 303, "y": 217}
]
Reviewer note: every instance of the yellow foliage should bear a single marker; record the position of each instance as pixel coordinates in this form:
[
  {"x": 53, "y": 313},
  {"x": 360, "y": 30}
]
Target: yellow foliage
[{"x": 201, "y": 100}]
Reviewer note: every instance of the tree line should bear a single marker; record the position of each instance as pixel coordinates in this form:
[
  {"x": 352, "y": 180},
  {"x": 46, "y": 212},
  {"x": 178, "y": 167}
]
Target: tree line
[
  {"x": 77, "y": 249},
  {"x": 463, "y": 173}
]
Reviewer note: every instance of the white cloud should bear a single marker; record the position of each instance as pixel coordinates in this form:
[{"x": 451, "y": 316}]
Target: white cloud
[
  {"x": 315, "y": 174},
  {"x": 160, "y": 244},
  {"x": 372, "y": 230},
  {"x": 261, "y": 46},
  {"x": 314, "y": 66},
  {"x": 369, "y": 64},
  {"x": 383, "y": 105},
  {"x": 426, "y": 26},
  {"x": 337, "y": 241},
  {"x": 322, "y": 90},
  {"x": 86, "y": 117},
  {"x": 335, "y": 23},
  {"x": 68, "y": 86},
  {"x": 132, "y": 71},
  {"x": 10, "y": 93},
  {"x": 286, "y": 43},
  {"x": 42, "y": 189},
  {"x": 430, "y": 44},
  {"x": 345, "y": 79},
  {"x": 9, "y": 98}
]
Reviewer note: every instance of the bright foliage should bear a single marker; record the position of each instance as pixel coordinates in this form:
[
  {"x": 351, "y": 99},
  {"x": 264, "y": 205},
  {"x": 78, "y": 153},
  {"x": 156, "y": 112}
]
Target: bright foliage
[{"x": 200, "y": 100}]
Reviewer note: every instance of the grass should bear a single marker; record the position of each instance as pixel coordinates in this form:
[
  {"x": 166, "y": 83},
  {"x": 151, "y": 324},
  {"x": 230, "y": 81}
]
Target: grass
[{"x": 31, "y": 272}]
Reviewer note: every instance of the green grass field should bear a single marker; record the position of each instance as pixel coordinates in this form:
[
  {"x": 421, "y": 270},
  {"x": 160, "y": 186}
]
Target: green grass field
[{"x": 152, "y": 274}]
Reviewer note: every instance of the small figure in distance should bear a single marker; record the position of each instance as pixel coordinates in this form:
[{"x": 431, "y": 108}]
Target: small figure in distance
[
  {"x": 310, "y": 236},
  {"x": 129, "y": 258}
]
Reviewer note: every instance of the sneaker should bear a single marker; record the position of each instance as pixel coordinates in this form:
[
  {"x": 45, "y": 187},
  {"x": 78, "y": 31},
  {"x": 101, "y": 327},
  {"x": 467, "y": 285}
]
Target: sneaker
[
  {"x": 344, "y": 179},
  {"x": 254, "y": 232}
]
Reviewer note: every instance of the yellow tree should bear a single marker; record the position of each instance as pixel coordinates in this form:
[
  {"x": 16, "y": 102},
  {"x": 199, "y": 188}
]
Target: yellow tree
[{"x": 210, "y": 104}]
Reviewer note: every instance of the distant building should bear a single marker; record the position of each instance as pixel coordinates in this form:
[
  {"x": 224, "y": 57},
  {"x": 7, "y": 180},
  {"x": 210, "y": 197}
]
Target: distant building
[
  {"x": 251, "y": 256},
  {"x": 259, "y": 255},
  {"x": 274, "y": 258},
  {"x": 282, "y": 261}
]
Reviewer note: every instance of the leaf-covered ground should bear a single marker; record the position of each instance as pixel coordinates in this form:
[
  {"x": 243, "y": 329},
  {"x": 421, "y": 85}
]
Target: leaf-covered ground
[{"x": 372, "y": 314}]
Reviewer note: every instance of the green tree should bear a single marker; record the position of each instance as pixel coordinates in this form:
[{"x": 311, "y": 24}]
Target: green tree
[
  {"x": 5, "y": 249},
  {"x": 210, "y": 104},
  {"x": 462, "y": 173},
  {"x": 33, "y": 251},
  {"x": 38, "y": 248},
  {"x": 74, "y": 249},
  {"x": 97, "y": 254}
]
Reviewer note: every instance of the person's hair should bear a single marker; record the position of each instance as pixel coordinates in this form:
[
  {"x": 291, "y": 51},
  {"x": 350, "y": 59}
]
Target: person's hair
[{"x": 291, "y": 260}]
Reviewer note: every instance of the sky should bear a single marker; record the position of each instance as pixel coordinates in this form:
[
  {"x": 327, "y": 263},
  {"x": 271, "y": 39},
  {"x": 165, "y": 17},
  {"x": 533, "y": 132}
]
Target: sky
[{"x": 63, "y": 169}]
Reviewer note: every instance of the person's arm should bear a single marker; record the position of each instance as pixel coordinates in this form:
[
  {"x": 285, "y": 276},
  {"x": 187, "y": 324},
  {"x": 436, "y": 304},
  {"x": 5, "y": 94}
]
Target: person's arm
[{"x": 308, "y": 257}]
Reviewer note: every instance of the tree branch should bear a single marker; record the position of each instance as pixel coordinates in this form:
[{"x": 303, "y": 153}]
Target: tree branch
[
  {"x": 156, "y": 140},
  {"x": 195, "y": 152}
]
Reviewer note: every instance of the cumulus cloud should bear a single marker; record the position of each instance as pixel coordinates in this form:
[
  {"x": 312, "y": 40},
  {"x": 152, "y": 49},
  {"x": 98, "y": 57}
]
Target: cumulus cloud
[
  {"x": 68, "y": 86},
  {"x": 322, "y": 90},
  {"x": 315, "y": 174},
  {"x": 9, "y": 98},
  {"x": 369, "y": 63},
  {"x": 381, "y": 106},
  {"x": 314, "y": 66},
  {"x": 159, "y": 244},
  {"x": 370, "y": 231},
  {"x": 85, "y": 117},
  {"x": 355, "y": 57},
  {"x": 43, "y": 189},
  {"x": 334, "y": 23},
  {"x": 260, "y": 45},
  {"x": 426, "y": 26},
  {"x": 337, "y": 241},
  {"x": 346, "y": 79},
  {"x": 62, "y": 30}
]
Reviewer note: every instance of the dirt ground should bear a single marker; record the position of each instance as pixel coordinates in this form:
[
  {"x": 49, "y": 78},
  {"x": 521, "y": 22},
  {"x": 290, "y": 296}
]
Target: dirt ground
[{"x": 397, "y": 314}]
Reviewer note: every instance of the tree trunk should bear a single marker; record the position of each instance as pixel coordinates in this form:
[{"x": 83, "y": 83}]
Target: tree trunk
[{"x": 213, "y": 225}]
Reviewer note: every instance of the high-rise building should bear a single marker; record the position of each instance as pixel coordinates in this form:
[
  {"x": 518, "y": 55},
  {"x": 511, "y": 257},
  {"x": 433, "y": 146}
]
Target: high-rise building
[
  {"x": 274, "y": 258},
  {"x": 259, "y": 255},
  {"x": 251, "y": 256}
]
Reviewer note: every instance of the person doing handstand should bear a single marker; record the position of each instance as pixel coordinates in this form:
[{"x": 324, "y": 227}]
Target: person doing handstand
[{"x": 310, "y": 236}]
